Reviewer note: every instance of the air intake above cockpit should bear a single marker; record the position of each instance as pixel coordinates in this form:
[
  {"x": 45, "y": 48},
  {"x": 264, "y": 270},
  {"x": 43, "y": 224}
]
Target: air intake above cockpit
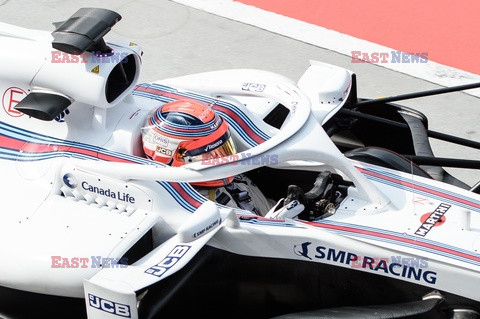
[{"x": 84, "y": 31}]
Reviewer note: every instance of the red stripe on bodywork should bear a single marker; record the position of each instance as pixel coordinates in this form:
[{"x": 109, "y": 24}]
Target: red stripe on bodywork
[
  {"x": 418, "y": 187},
  {"x": 395, "y": 238},
  {"x": 185, "y": 195},
  {"x": 38, "y": 148}
]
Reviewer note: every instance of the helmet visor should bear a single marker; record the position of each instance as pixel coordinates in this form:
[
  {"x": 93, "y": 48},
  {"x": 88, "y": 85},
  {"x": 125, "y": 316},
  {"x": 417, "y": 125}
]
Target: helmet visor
[{"x": 226, "y": 149}]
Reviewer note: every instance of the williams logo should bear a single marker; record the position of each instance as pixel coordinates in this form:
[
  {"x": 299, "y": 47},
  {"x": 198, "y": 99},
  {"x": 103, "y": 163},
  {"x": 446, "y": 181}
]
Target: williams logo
[
  {"x": 434, "y": 219},
  {"x": 70, "y": 180},
  {"x": 302, "y": 249}
]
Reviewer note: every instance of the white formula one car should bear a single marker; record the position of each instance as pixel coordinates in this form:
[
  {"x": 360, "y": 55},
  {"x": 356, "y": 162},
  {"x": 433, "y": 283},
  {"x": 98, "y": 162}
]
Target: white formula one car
[{"x": 90, "y": 227}]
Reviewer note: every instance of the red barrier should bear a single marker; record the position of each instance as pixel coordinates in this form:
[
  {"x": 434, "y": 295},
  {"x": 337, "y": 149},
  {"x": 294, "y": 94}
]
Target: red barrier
[{"x": 447, "y": 30}]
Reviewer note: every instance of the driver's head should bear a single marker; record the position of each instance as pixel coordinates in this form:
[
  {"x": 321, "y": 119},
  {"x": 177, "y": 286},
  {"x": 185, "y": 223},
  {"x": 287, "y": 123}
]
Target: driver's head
[{"x": 183, "y": 132}]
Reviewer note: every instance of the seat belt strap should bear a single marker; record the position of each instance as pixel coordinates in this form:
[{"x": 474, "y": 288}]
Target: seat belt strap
[{"x": 241, "y": 197}]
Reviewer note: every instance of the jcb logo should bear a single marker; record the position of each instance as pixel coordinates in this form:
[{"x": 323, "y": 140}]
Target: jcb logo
[
  {"x": 164, "y": 151},
  {"x": 169, "y": 261},
  {"x": 114, "y": 308}
]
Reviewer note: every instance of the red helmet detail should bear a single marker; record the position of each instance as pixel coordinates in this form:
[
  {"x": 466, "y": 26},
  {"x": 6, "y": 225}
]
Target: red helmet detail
[{"x": 183, "y": 132}]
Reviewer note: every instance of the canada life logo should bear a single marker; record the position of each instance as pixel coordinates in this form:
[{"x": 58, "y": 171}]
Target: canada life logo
[{"x": 70, "y": 180}]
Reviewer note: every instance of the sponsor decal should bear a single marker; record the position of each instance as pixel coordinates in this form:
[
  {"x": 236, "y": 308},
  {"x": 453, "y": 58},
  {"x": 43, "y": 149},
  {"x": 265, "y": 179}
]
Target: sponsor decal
[
  {"x": 88, "y": 262},
  {"x": 420, "y": 200},
  {"x": 158, "y": 139},
  {"x": 216, "y": 122},
  {"x": 292, "y": 204},
  {"x": 109, "y": 306},
  {"x": 302, "y": 249},
  {"x": 70, "y": 180},
  {"x": 61, "y": 117},
  {"x": 425, "y": 217},
  {"x": 163, "y": 151},
  {"x": 253, "y": 87},
  {"x": 214, "y": 145},
  {"x": 389, "y": 57},
  {"x": 397, "y": 267},
  {"x": 169, "y": 261},
  {"x": 430, "y": 220},
  {"x": 121, "y": 196},
  {"x": 207, "y": 229},
  {"x": 11, "y": 97}
]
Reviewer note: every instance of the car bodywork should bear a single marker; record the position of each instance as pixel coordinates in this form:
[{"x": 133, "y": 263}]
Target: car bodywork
[{"x": 134, "y": 239}]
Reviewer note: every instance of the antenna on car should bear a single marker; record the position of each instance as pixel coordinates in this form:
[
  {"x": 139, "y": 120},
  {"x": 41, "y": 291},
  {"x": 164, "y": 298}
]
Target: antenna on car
[
  {"x": 84, "y": 31},
  {"x": 414, "y": 95}
]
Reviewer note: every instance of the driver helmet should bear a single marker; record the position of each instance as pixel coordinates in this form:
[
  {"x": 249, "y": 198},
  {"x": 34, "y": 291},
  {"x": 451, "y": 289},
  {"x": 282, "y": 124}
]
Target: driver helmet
[{"x": 183, "y": 132}]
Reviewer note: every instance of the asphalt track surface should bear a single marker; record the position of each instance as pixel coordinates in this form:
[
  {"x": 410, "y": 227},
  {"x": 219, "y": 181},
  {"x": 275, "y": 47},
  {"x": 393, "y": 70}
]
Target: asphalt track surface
[{"x": 178, "y": 40}]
